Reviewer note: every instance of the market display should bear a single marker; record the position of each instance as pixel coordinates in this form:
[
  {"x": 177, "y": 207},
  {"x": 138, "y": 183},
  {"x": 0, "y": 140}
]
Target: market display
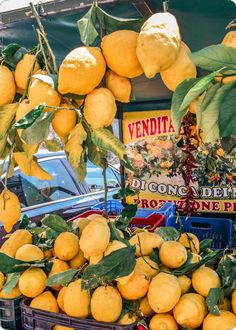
[{"x": 98, "y": 267}]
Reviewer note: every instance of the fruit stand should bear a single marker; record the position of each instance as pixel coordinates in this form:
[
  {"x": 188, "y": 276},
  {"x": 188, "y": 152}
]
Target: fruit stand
[{"x": 160, "y": 255}]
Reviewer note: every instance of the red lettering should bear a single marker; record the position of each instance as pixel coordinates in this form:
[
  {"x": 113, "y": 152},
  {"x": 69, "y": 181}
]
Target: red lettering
[
  {"x": 153, "y": 203},
  {"x": 138, "y": 131},
  {"x": 131, "y": 130},
  {"x": 153, "y": 126},
  {"x": 159, "y": 124},
  {"x": 227, "y": 206},
  {"x": 206, "y": 206},
  {"x": 144, "y": 203},
  {"x": 145, "y": 124},
  {"x": 171, "y": 128},
  {"x": 215, "y": 206},
  {"x": 164, "y": 120}
]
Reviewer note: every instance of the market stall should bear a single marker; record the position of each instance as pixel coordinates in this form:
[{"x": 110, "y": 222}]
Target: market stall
[{"x": 160, "y": 255}]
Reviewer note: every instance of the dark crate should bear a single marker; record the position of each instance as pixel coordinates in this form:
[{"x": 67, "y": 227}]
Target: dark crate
[
  {"x": 36, "y": 319},
  {"x": 10, "y": 314}
]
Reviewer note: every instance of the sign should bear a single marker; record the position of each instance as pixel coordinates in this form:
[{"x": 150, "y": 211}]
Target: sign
[{"x": 149, "y": 139}]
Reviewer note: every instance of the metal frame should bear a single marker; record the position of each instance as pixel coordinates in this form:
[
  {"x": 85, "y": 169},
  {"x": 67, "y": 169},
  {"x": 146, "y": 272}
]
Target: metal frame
[{"x": 60, "y": 7}]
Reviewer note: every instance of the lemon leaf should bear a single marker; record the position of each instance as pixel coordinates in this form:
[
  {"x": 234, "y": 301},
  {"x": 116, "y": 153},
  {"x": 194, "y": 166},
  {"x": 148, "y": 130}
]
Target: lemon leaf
[
  {"x": 117, "y": 264},
  {"x": 227, "y": 116},
  {"x": 86, "y": 26},
  {"x": 56, "y": 223},
  {"x": 7, "y": 114},
  {"x": 215, "y": 297},
  {"x": 62, "y": 278},
  {"x": 12, "y": 54},
  {"x": 52, "y": 145},
  {"x": 168, "y": 233},
  {"x": 30, "y": 118},
  {"x": 12, "y": 280}
]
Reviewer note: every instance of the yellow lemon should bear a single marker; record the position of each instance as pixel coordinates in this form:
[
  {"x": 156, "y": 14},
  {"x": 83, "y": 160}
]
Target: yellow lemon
[
  {"x": 147, "y": 242},
  {"x": 114, "y": 246},
  {"x": 76, "y": 301},
  {"x": 15, "y": 293},
  {"x": 185, "y": 283},
  {"x": 136, "y": 287},
  {"x": 17, "y": 239},
  {"x": 78, "y": 260},
  {"x": 95, "y": 259},
  {"x": 10, "y": 209},
  {"x": 29, "y": 252},
  {"x": 226, "y": 306},
  {"x": 106, "y": 304},
  {"x": 147, "y": 266},
  {"x": 60, "y": 298},
  {"x": 32, "y": 282},
  {"x": 23, "y": 70},
  {"x": 66, "y": 246},
  {"x": 81, "y": 71},
  {"x": 100, "y": 108},
  {"x": 7, "y": 86},
  {"x": 163, "y": 322},
  {"x": 173, "y": 254},
  {"x": 233, "y": 301},
  {"x": 190, "y": 241},
  {"x": 145, "y": 307},
  {"x": 58, "y": 266},
  {"x": 119, "y": 49},
  {"x": 164, "y": 292},
  {"x": 2, "y": 280},
  {"x": 45, "y": 301},
  {"x": 158, "y": 43},
  {"x": 203, "y": 279},
  {"x": 119, "y": 86},
  {"x": 190, "y": 310},
  {"x": 225, "y": 321},
  {"x": 128, "y": 318}
]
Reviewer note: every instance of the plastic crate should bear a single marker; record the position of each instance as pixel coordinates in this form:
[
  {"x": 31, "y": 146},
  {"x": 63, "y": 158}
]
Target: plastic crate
[
  {"x": 36, "y": 319},
  {"x": 220, "y": 230},
  {"x": 10, "y": 314},
  {"x": 114, "y": 207}
]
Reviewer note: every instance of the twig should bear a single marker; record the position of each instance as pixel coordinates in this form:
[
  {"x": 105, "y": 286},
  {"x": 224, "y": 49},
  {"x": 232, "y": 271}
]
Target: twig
[
  {"x": 105, "y": 185},
  {"x": 43, "y": 52}
]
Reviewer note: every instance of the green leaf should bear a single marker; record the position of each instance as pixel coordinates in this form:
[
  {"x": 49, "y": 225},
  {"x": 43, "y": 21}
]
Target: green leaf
[
  {"x": 197, "y": 90},
  {"x": 112, "y": 23},
  {"x": 12, "y": 280},
  {"x": 52, "y": 145},
  {"x": 95, "y": 155},
  {"x": 12, "y": 54},
  {"x": 126, "y": 192},
  {"x": 205, "y": 244},
  {"x": 227, "y": 270},
  {"x": 215, "y": 297},
  {"x": 117, "y": 264},
  {"x": 3, "y": 144},
  {"x": 177, "y": 99},
  {"x": 210, "y": 115},
  {"x": 168, "y": 233},
  {"x": 10, "y": 265},
  {"x": 115, "y": 235},
  {"x": 189, "y": 267},
  {"x": 30, "y": 118},
  {"x": 7, "y": 114},
  {"x": 24, "y": 222},
  {"x": 87, "y": 27},
  {"x": 62, "y": 278},
  {"x": 104, "y": 139},
  {"x": 215, "y": 57},
  {"x": 227, "y": 115},
  {"x": 39, "y": 130},
  {"x": 154, "y": 256},
  {"x": 128, "y": 212},
  {"x": 56, "y": 223}
]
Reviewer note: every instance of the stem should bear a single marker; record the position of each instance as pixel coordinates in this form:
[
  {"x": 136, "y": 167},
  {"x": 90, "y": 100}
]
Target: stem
[
  {"x": 51, "y": 54},
  {"x": 43, "y": 52},
  {"x": 105, "y": 186}
]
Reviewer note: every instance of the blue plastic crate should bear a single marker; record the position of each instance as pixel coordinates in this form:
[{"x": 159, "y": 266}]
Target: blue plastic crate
[
  {"x": 220, "y": 230},
  {"x": 114, "y": 207}
]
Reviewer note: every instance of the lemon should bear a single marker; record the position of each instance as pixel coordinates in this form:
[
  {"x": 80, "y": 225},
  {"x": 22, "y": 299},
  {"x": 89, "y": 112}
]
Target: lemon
[
  {"x": 60, "y": 327},
  {"x": 41, "y": 92},
  {"x": 225, "y": 321},
  {"x": 148, "y": 241},
  {"x": 136, "y": 287},
  {"x": 233, "y": 301},
  {"x": 7, "y": 86},
  {"x": 158, "y": 43},
  {"x": 95, "y": 239},
  {"x": 45, "y": 301},
  {"x": 78, "y": 260},
  {"x": 76, "y": 301},
  {"x": 203, "y": 279},
  {"x": 145, "y": 307},
  {"x": 190, "y": 310},
  {"x": 10, "y": 209},
  {"x": 81, "y": 71},
  {"x": 64, "y": 121},
  {"x": 185, "y": 283},
  {"x": 66, "y": 246},
  {"x": 2, "y": 280},
  {"x": 95, "y": 259},
  {"x": 15, "y": 293},
  {"x": 106, "y": 304},
  {"x": 119, "y": 86},
  {"x": 119, "y": 49},
  {"x": 15, "y": 241},
  {"x": 100, "y": 108},
  {"x": 58, "y": 267},
  {"x": 182, "y": 68},
  {"x": 32, "y": 282},
  {"x": 60, "y": 298},
  {"x": 29, "y": 252},
  {"x": 164, "y": 292},
  {"x": 114, "y": 246},
  {"x": 190, "y": 241},
  {"x": 163, "y": 322},
  {"x": 23, "y": 70},
  {"x": 147, "y": 266},
  {"x": 48, "y": 253},
  {"x": 226, "y": 306},
  {"x": 173, "y": 254}
]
